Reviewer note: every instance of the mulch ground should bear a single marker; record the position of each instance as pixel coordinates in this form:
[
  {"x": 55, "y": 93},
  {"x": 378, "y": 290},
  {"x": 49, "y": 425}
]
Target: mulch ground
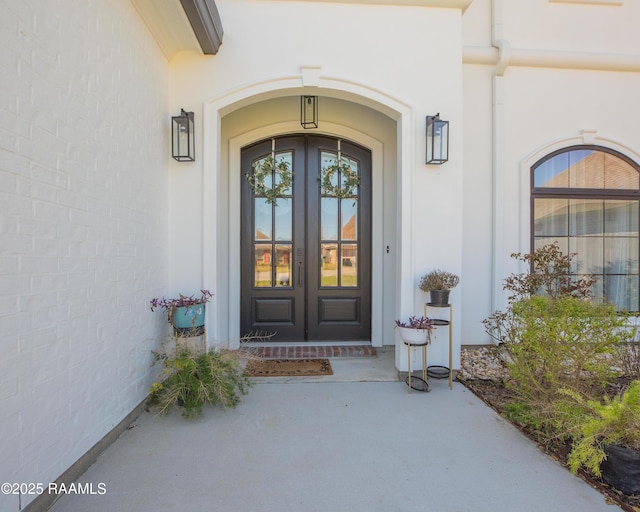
[{"x": 497, "y": 396}]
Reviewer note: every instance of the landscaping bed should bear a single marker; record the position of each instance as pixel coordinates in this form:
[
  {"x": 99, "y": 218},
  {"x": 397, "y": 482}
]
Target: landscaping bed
[{"x": 483, "y": 373}]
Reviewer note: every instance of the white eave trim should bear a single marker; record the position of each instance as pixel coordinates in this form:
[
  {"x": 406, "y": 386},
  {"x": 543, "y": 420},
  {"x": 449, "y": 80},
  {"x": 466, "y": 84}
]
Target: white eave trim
[
  {"x": 586, "y": 2},
  {"x": 453, "y": 4}
]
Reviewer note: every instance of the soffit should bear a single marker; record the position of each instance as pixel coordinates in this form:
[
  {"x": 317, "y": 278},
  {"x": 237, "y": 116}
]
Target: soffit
[
  {"x": 169, "y": 25},
  {"x": 453, "y": 4}
]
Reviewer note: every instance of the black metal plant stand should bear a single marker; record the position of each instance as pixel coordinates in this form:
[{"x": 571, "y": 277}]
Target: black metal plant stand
[{"x": 442, "y": 372}]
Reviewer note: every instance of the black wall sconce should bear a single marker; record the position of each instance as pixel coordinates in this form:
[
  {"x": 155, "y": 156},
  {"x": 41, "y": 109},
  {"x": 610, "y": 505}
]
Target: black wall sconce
[
  {"x": 182, "y": 140},
  {"x": 437, "y": 140},
  {"x": 309, "y": 111}
]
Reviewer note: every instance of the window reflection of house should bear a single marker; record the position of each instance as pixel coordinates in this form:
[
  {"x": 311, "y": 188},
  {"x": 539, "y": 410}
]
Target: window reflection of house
[
  {"x": 349, "y": 229},
  {"x": 329, "y": 253},
  {"x": 585, "y": 199}
]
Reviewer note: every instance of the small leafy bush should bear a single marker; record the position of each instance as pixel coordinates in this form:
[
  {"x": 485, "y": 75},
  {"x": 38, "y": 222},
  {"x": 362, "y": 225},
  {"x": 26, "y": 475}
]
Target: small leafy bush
[
  {"x": 629, "y": 355},
  {"x": 556, "y": 340},
  {"x": 609, "y": 422},
  {"x": 549, "y": 275},
  {"x": 192, "y": 379},
  {"x": 562, "y": 343}
]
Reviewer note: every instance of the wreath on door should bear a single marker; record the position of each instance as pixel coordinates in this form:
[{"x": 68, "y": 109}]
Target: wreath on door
[
  {"x": 281, "y": 177},
  {"x": 347, "y": 183},
  {"x": 280, "y": 174}
]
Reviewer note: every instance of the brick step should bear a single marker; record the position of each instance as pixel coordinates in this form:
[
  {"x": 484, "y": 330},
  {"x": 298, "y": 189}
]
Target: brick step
[{"x": 311, "y": 352}]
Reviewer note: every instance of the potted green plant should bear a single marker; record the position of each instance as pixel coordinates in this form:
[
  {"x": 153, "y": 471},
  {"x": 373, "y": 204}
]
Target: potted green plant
[
  {"x": 439, "y": 283},
  {"x": 607, "y": 443},
  {"x": 417, "y": 330},
  {"x": 184, "y": 312},
  {"x": 192, "y": 378}
]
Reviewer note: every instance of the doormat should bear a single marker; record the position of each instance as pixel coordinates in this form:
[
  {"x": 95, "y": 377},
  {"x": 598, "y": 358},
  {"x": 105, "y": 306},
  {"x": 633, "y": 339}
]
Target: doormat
[{"x": 288, "y": 367}]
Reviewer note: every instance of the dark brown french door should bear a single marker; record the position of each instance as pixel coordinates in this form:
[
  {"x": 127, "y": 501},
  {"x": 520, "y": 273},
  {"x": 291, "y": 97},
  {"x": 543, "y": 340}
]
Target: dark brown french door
[{"x": 306, "y": 254}]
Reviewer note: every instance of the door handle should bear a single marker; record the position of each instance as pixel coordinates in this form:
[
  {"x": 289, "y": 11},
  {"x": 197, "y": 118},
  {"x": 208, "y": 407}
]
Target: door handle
[{"x": 300, "y": 273}]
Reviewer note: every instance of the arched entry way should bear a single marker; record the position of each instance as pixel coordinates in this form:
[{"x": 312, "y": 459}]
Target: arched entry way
[
  {"x": 351, "y": 112},
  {"x": 306, "y": 254}
]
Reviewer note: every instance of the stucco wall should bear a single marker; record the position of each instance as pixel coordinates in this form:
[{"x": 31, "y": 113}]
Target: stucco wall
[
  {"x": 588, "y": 26},
  {"x": 569, "y": 74},
  {"x": 84, "y": 146},
  {"x": 267, "y": 118},
  {"x": 96, "y": 219},
  {"x": 404, "y": 61}
]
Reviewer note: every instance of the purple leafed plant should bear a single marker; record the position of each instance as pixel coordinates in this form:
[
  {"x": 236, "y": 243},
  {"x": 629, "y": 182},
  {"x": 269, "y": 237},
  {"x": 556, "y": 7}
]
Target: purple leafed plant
[
  {"x": 183, "y": 301},
  {"x": 415, "y": 322}
]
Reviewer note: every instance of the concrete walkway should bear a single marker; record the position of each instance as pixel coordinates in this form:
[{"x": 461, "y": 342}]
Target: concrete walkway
[{"x": 332, "y": 446}]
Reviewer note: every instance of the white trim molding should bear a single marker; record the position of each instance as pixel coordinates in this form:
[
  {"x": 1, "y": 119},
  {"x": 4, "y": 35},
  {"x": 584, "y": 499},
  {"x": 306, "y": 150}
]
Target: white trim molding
[
  {"x": 521, "y": 57},
  {"x": 451, "y": 4},
  {"x": 223, "y": 320},
  {"x": 585, "y": 136},
  {"x": 588, "y": 2},
  {"x": 377, "y": 240}
]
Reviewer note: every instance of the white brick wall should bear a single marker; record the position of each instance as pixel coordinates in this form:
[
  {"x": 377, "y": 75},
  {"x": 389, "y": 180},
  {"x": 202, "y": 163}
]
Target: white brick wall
[{"x": 84, "y": 150}]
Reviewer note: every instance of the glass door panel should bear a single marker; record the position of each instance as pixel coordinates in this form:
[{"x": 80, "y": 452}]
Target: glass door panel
[
  {"x": 272, "y": 216},
  {"x": 283, "y": 265},
  {"x": 284, "y": 219},
  {"x": 306, "y": 253},
  {"x": 329, "y": 218},
  {"x": 349, "y": 216},
  {"x": 340, "y": 180},
  {"x": 349, "y": 265},
  {"x": 263, "y": 219},
  {"x": 263, "y": 266},
  {"x": 329, "y": 265}
]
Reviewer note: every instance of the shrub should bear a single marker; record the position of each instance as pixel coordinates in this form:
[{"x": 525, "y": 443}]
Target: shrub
[
  {"x": 549, "y": 274},
  {"x": 610, "y": 422},
  {"x": 192, "y": 379},
  {"x": 562, "y": 343},
  {"x": 629, "y": 356},
  {"x": 558, "y": 340}
]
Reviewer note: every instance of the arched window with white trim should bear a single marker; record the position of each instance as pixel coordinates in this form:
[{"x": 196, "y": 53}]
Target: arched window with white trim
[{"x": 587, "y": 199}]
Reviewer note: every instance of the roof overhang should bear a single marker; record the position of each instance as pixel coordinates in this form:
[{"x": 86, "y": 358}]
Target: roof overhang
[
  {"x": 205, "y": 20},
  {"x": 182, "y": 25},
  {"x": 195, "y": 25},
  {"x": 453, "y": 4}
]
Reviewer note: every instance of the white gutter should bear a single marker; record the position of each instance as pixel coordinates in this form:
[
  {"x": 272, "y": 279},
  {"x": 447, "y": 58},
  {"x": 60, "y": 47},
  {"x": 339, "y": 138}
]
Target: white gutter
[{"x": 504, "y": 55}]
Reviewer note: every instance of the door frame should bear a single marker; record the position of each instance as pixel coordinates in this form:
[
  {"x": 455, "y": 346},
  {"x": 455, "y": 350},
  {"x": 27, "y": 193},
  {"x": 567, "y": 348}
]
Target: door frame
[
  {"x": 316, "y": 312},
  {"x": 377, "y": 215}
]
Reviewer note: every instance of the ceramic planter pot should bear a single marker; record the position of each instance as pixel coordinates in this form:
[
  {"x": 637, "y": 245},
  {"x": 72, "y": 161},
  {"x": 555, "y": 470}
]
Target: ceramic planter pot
[
  {"x": 439, "y": 297},
  {"x": 188, "y": 317},
  {"x": 416, "y": 336}
]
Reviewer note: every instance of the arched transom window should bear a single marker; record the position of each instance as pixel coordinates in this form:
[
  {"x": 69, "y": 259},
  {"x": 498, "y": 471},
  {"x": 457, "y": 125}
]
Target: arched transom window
[{"x": 586, "y": 198}]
